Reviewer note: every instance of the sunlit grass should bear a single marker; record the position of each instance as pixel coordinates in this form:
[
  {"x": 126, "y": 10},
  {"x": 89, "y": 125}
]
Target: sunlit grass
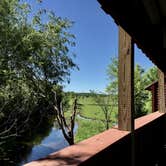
[
  {"x": 92, "y": 110},
  {"x": 87, "y": 129},
  {"x": 91, "y": 120}
]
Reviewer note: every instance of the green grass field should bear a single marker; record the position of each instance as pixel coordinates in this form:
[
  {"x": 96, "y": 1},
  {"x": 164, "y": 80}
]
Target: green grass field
[
  {"x": 90, "y": 109},
  {"x": 90, "y": 117},
  {"x": 92, "y": 121},
  {"x": 87, "y": 129}
]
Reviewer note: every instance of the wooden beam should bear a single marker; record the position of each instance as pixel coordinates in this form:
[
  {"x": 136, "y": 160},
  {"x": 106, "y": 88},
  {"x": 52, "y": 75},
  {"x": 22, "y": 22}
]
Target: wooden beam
[
  {"x": 152, "y": 11},
  {"x": 126, "y": 82},
  {"x": 156, "y": 98},
  {"x": 153, "y": 98},
  {"x": 164, "y": 36},
  {"x": 162, "y": 4},
  {"x": 161, "y": 92}
]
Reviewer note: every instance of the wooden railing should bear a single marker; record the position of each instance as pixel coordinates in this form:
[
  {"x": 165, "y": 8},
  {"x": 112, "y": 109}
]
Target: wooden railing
[{"x": 113, "y": 147}]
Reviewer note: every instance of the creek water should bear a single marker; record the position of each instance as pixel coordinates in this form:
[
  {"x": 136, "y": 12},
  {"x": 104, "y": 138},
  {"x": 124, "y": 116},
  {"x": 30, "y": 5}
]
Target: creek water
[
  {"x": 49, "y": 144},
  {"x": 52, "y": 143},
  {"x": 19, "y": 152}
]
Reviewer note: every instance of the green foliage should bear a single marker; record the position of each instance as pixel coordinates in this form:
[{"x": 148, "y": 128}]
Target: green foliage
[
  {"x": 141, "y": 80},
  {"x": 151, "y": 75},
  {"x": 112, "y": 72},
  {"x": 87, "y": 129},
  {"x": 90, "y": 119},
  {"x": 106, "y": 103},
  {"x": 34, "y": 59},
  {"x": 140, "y": 94},
  {"x": 92, "y": 110}
]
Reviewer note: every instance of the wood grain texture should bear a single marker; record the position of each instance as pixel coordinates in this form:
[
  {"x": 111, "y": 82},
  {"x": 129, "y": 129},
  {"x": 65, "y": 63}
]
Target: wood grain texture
[
  {"x": 161, "y": 92},
  {"x": 126, "y": 82},
  {"x": 154, "y": 97}
]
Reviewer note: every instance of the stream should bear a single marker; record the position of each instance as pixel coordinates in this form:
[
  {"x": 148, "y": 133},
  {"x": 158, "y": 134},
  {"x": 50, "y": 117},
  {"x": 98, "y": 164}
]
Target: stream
[
  {"x": 49, "y": 144},
  {"x": 17, "y": 152},
  {"x": 52, "y": 143},
  {"x": 50, "y": 140}
]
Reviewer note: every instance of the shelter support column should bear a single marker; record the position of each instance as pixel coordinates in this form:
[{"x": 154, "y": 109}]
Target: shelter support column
[
  {"x": 154, "y": 99},
  {"x": 161, "y": 91},
  {"x": 126, "y": 82}
]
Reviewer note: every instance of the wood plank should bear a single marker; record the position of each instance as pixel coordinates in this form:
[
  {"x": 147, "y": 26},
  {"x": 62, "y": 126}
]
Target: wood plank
[
  {"x": 161, "y": 92},
  {"x": 162, "y": 4},
  {"x": 156, "y": 98},
  {"x": 126, "y": 82},
  {"x": 152, "y": 11},
  {"x": 164, "y": 36},
  {"x": 153, "y": 98}
]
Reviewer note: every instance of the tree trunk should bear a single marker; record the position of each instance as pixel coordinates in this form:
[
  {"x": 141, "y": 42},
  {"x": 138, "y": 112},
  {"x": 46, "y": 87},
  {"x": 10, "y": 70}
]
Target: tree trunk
[{"x": 67, "y": 129}]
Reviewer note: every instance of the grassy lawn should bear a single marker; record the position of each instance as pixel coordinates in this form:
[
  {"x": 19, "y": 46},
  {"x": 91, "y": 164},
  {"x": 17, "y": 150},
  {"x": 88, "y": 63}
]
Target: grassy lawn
[
  {"x": 87, "y": 129},
  {"x": 91, "y": 120},
  {"x": 92, "y": 110},
  {"x": 89, "y": 109},
  {"x": 92, "y": 116}
]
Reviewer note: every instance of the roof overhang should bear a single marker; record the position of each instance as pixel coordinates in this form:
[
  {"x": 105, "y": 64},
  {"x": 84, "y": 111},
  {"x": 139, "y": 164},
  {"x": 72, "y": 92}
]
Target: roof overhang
[{"x": 145, "y": 21}]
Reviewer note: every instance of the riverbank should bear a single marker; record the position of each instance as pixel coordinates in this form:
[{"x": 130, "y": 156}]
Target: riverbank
[
  {"x": 48, "y": 138},
  {"x": 53, "y": 142}
]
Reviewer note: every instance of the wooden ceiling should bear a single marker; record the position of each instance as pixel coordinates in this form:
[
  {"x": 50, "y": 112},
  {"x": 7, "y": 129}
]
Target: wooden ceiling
[{"x": 145, "y": 21}]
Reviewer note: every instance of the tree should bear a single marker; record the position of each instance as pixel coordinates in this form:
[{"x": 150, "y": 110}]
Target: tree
[
  {"x": 112, "y": 73},
  {"x": 106, "y": 102},
  {"x": 141, "y": 80},
  {"x": 140, "y": 94},
  {"x": 34, "y": 59},
  {"x": 151, "y": 75},
  {"x": 67, "y": 128}
]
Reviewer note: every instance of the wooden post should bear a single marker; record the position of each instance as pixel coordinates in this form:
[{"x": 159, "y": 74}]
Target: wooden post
[
  {"x": 126, "y": 82},
  {"x": 154, "y": 98},
  {"x": 161, "y": 92}
]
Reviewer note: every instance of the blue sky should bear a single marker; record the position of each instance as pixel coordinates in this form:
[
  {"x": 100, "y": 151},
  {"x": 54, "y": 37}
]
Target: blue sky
[{"x": 96, "y": 42}]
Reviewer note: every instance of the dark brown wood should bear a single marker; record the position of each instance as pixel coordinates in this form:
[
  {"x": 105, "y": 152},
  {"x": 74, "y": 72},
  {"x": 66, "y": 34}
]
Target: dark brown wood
[
  {"x": 155, "y": 102},
  {"x": 161, "y": 91},
  {"x": 153, "y": 88},
  {"x": 126, "y": 82},
  {"x": 154, "y": 91},
  {"x": 144, "y": 20},
  {"x": 152, "y": 11},
  {"x": 153, "y": 99}
]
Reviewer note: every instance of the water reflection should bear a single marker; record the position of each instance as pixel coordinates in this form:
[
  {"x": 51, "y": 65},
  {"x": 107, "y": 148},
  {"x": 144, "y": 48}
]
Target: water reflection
[
  {"x": 16, "y": 149},
  {"x": 42, "y": 141},
  {"x": 54, "y": 142}
]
